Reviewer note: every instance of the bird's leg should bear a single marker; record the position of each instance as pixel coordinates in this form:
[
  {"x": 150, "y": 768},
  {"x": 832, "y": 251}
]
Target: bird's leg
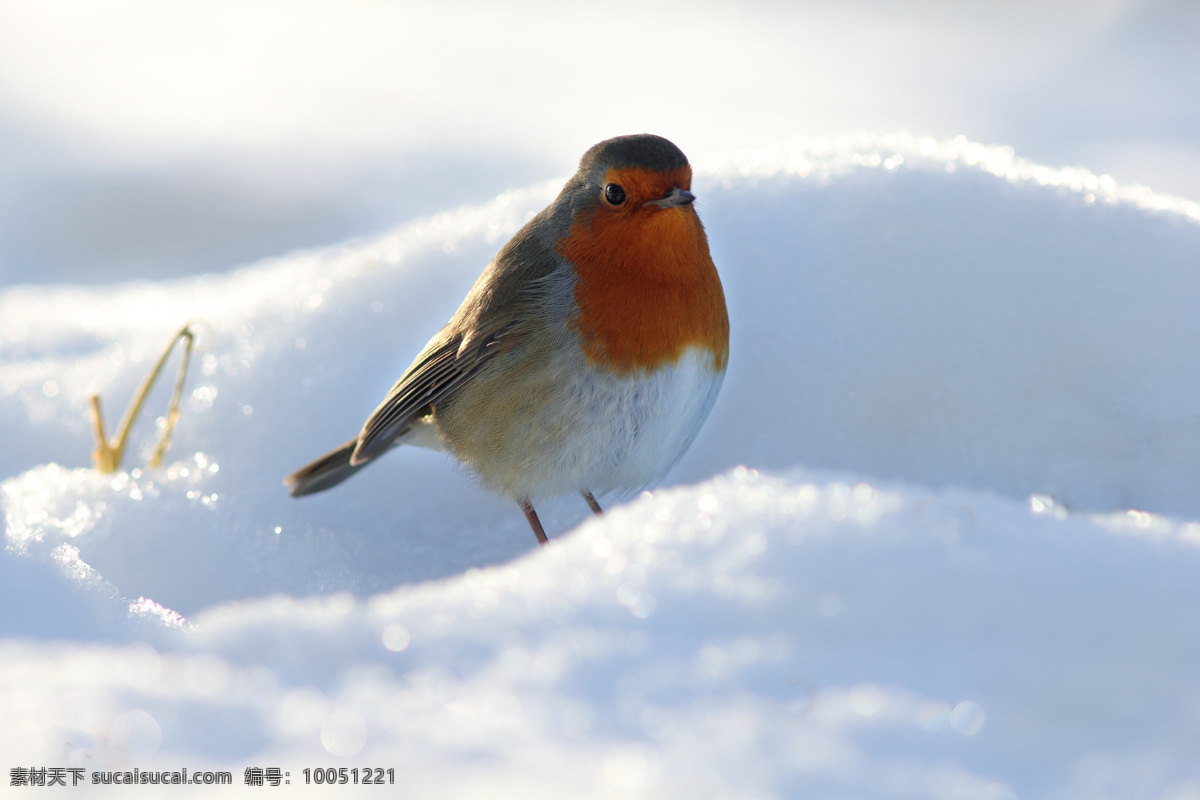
[
  {"x": 592, "y": 504},
  {"x": 534, "y": 522}
]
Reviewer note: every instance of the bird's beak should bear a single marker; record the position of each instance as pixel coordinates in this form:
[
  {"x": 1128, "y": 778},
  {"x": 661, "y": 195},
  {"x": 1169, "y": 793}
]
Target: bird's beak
[{"x": 675, "y": 197}]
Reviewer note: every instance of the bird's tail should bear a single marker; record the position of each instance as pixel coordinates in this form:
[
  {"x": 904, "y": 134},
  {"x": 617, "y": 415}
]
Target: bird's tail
[{"x": 327, "y": 471}]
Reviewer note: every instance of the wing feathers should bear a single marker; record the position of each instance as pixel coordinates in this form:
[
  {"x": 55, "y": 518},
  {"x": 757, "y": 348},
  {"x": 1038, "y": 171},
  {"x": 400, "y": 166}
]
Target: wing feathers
[{"x": 442, "y": 371}]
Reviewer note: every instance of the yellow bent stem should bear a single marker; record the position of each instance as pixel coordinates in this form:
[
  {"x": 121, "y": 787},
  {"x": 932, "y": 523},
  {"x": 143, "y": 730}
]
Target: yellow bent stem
[{"x": 107, "y": 455}]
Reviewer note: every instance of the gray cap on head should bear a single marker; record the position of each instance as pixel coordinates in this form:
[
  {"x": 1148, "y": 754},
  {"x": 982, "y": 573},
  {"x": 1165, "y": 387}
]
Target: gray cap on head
[{"x": 640, "y": 150}]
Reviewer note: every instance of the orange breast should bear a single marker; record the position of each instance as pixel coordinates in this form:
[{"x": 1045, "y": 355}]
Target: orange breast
[{"x": 647, "y": 288}]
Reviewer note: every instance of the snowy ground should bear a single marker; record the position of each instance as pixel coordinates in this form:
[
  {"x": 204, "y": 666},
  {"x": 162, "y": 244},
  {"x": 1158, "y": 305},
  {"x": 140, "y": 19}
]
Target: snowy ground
[
  {"x": 939, "y": 539},
  {"x": 848, "y": 592}
]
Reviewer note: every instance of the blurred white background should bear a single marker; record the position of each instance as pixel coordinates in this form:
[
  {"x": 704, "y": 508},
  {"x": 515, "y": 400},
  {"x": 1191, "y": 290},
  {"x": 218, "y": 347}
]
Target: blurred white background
[{"x": 153, "y": 138}]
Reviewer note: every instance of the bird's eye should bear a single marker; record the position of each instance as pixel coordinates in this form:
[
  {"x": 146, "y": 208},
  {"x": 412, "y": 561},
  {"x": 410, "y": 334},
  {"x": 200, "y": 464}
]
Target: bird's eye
[{"x": 614, "y": 194}]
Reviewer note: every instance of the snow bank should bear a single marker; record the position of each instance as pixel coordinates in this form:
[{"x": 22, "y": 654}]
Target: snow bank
[{"x": 865, "y": 599}]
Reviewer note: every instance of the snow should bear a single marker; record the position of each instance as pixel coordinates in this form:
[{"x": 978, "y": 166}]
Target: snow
[{"x": 938, "y": 539}]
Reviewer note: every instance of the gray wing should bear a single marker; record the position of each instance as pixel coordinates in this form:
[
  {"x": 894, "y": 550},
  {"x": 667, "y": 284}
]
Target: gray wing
[
  {"x": 439, "y": 371},
  {"x": 497, "y": 312},
  {"x": 501, "y": 307}
]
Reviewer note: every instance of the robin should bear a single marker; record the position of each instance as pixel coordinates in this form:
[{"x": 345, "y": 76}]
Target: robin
[{"x": 586, "y": 356}]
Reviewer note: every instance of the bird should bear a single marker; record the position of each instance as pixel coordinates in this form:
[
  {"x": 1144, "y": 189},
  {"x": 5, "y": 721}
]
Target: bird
[{"x": 586, "y": 356}]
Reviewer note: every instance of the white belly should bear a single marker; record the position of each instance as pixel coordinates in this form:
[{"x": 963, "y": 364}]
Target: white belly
[{"x": 624, "y": 433}]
